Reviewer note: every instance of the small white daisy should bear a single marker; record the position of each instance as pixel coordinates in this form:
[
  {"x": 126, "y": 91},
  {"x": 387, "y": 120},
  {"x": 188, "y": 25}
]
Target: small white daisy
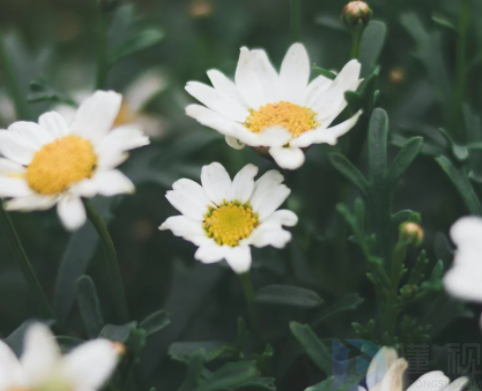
[
  {"x": 464, "y": 279},
  {"x": 278, "y": 113},
  {"x": 54, "y": 162},
  {"x": 42, "y": 367},
  {"x": 224, "y": 218},
  {"x": 386, "y": 373}
]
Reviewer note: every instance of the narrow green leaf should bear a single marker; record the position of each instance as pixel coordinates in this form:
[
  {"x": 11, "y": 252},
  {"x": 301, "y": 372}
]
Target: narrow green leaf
[
  {"x": 348, "y": 302},
  {"x": 437, "y": 271},
  {"x": 89, "y": 306},
  {"x": 325, "y": 72},
  {"x": 404, "y": 159},
  {"x": 117, "y": 333},
  {"x": 268, "y": 383},
  {"x": 346, "y": 168},
  {"x": 372, "y": 43},
  {"x": 377, "y": 145},
  {"x": 313, "y": 346},
  {"x": 461, "y": 182},
  {"x": 183, "y": 351},
  {"x": 194, "y": 372},
  {"x": 288, "y": 295},
  {"x": 137, "y": 42},
  {"x": 15, "y": 339},
  {"x": 155, "y": 322},
  {"x": 442, "y": 248},
  {"x": 444, "y": 22},
  {"x": 230, "y": 376}
]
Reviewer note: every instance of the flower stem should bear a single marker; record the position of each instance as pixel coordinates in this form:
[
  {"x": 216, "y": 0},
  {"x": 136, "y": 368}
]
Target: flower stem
[
  {"x": 22, "y": 259},
  {"x": 248, "y": 290},
  {"x": 111, "y": 257},
  {"x": 460, "y": 82},
  {"x": 357, "y": 35},
  {"x": 296, "y": 20},
  {"x": 102, "y": 62}
]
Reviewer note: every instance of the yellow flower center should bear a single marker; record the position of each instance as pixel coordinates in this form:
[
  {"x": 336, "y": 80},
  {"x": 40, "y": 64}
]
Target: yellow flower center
[
  {"x": 295, "y": 118},
  {"x": 230, "y": 223},
  {"x": 59, "y": 164}
]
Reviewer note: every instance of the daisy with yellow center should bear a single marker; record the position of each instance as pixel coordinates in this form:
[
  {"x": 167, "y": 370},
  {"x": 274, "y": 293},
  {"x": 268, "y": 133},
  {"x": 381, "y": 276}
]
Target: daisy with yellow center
[
  {"x": 43, "y": 368},
  {"x": 54, "y": 162},
  {"x": 282, "y": 112},
  {"x": 224, "y": 218}
]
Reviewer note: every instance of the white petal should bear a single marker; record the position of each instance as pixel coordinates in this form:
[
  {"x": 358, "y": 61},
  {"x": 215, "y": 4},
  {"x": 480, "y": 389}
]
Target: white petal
[
  {"x": 11, "y": 374},
  {"x": 187, "y": 229},
  {"x": 393, "y": 379},
  {"x": 8, "y": 167},
  {"x": 463, "y": 281},
  {"x": 467, "y": 231},
  {"x": 224, "y": 85},
  {"x": 54, "y": 123},
  {"x": 269, "y": 181},
  {"x": 272, "y": 200},
  {"x": 71, "y": 212},
  {"x": 86, "y": 188},
  {"x": 432, "y": 381},
  {"x": 109, "y": 158},
  {"x": 270, "y": 235},
  {"x": 233, "y": 142},
  {"x": 211, "y": 253},
  {"x": 124, "y": 138},
  {"x": 217, "y": 101},
  {"x": 96, "y": 115},
  {"x": 239, "y": 258},
  {"x": 90, "y": 365},
  {"x": 295, "y": 73},
  {"x": 15, "y": 147},
  {"x": 32, "y": 132},
  {"x": 243, "y": 184},
  {"x": 247, "y": 81},
  {"x": 274, "y": 136},
  {"x": 216, "y": 183},
  {"x": 458, "y": 384},
  {"x": 379, "y": 366},
  {"x": 288, "y": 158},
  {"x": 112, "y": 182},
  {"x": 211, "y": 119},
  {"x": 34, "y": 202},
  {"x": 316, "y": 89},
  {"x": 14, "y": 187},
  {"x": 192, "y": 189},
  {"x": 282, "y": 217},
  {"x": 144, "y": 88},
  {"x": 41, "y": 353},
  {"x": 187, "y": 205},
  {"x": 267, "y": 75}
]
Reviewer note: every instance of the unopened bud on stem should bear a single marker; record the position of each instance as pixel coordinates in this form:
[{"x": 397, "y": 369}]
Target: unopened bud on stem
[
  {"x": 412, "y": 232},
  {"x": 356, "y": 13}
]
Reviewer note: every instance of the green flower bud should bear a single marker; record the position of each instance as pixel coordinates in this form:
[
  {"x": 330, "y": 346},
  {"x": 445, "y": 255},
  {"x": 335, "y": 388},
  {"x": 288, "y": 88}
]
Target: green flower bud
[
  {"x": 412, "y": 232},
  {"x": 356, "y": 12},
  {"x": 408, "y": 291}
]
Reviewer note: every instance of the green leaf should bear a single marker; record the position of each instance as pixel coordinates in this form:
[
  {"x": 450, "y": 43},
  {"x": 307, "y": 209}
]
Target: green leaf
[
  {"x": 89, "y": 306},
  {"x": 331, "y": 22},
  {"x": 404, "y": 159},
  {"x": 462, "y": 184},
  {"x": 288, "y": 295},
  {"x": 184, "y": 351},
  {"x": 313, "y": 346},
  {"x": 345, "y": 167},
  {"x": 268, "y": 383},
  {"x": 444, "y": 22},
  {"x": 230, "y": 376},
  {"x": 437, "y": 272},
  {"x": 117, "y": 333},
  {"x": 372, "y": 43},
  {"x": 442, "y": 248},
  {"x": 348, "y": 302},
  {"x": 155, "y": 322},
  {"x": 377, "y": 145},
  {"x": 15, "y": 339},
  {"x": 137, "y": 42},
  {"x": 68, "y": 343},
  {"x": 325, "y": 72},
  {"x": 195, "y": 369}
]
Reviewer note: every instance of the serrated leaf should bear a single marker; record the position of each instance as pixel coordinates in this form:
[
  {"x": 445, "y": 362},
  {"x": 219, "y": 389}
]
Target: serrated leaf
[
  {"x": 372, "y": 43},
  {"x": 346, "y": 168},
  {"x": 404, "y": 159},
  {"x": 230, "y": 376},
  {"x": 313, "y": 346},
  {"x": 89, "y": 306},
  {"x": 377, "y": 145},
  {"x": 155, "y": 322},
  {"x": 288, "y": 295}
]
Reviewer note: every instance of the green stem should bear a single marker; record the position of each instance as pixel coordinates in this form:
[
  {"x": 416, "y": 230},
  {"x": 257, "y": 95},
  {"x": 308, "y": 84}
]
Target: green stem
[
  {"x": 357, "y": 35},
  {"x": 460, "y": 82},
  {"x": 296, "y": 20},
  {"x": 13, "y": 83},
  {"x": 22, "y": 259},
  {"x": 248, "y": 290},
  {"x": 102, "y": 61},
  {"x": 111, "y": 257}
]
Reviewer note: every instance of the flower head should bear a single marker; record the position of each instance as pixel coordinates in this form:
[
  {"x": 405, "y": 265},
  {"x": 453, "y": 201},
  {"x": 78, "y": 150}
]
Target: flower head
[
  {"x": 224, "y": 218},
  {"x": 282, "y": 113},
  {"x": 42, "y": 367},
  {"x": 54, "y": 162},
  {"x": 356, "y": 12}
]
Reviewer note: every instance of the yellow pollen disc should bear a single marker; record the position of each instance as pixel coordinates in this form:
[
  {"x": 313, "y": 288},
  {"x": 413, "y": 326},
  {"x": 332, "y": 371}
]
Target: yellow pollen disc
[
  {"x": 295, "y": 118},
  {"x": 61, "y": 163},
  {"x": 230, "y": 223}
]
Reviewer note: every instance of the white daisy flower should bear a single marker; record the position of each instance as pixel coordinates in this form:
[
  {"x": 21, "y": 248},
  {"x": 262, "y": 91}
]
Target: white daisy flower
[
  {"x": 42, "y": 367},
  {"x": 277, "y": 113},
  {"x": 386, "y": 373},
  {"x": 54, "y": 162},
  {"x": 224, "y": 218},
  {"x": 464, "y": 279}
]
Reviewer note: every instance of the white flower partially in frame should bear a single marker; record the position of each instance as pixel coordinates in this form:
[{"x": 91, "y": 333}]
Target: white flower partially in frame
[
  {"x": 282, "y": 113},
  {"x": 42, "y": 366},
  {"x": 53, "y": 162},
  {"x": 224, "y": 218},
  {"x": 464, "y": 279}
]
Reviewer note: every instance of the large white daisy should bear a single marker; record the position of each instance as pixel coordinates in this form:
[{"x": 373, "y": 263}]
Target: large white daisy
[
  {"x": 278, "y": 113},
  {"x": 42, "y": 367},
  {"x": 464, "y": 279},
  {"x": 54, "y": 162},
  {"x": 224, "y": 218}
]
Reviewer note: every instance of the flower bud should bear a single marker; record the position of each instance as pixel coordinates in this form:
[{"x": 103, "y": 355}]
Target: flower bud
[
  {"x": 201, "y": 8},
  {"x": 109, "y": 5},
  {"x": 408, "y": 291},
  {"x": 412, "y": 232},
  {"x": 356, "y": 12},
  {"x": 119, "y": 348},
  {"x": 396, "y": 76}
]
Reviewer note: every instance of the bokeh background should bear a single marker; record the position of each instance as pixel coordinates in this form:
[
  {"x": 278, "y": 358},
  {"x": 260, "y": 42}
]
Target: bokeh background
[{"x": 54, "y": 43}]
